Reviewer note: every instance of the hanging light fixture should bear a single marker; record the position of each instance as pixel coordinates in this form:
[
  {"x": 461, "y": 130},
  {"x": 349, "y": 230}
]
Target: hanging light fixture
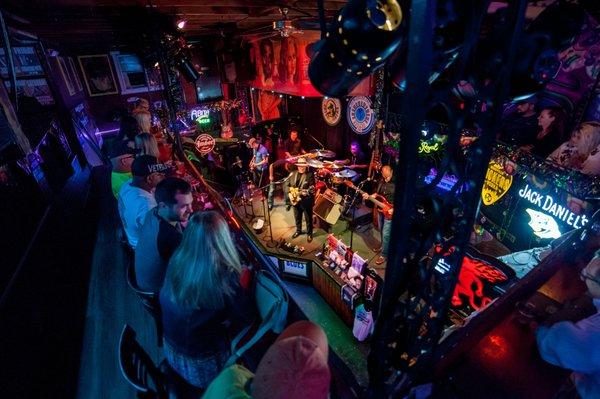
[{"x": 181, "y": 23}]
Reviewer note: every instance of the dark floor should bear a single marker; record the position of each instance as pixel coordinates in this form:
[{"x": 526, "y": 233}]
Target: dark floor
[{"x": 41, "y": 317}]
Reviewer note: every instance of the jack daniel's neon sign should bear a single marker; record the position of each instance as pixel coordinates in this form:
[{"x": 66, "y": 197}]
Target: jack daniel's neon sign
[{"x": 552, "y": 208}]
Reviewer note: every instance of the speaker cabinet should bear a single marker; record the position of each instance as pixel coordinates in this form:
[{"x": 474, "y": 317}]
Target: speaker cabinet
[{"x": 326, "y": 209}]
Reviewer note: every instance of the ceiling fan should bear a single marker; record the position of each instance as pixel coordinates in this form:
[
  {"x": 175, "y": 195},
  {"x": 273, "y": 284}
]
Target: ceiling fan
[{"x": 283, "y": 27}]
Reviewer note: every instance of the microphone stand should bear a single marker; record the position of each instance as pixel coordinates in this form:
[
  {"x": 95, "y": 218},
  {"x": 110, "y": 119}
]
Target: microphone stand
[
  {"x": 315, "y": 139},
  {"x": 271, "y": 243}
]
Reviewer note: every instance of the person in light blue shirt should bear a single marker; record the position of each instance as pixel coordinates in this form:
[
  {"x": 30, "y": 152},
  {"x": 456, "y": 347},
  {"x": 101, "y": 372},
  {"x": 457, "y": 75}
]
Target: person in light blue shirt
[
  {"x": 259, "y": 161},
  {"x": 576, "y": 345}
]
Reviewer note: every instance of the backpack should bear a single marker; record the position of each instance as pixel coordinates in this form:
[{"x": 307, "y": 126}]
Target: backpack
[{"x": 272, "y": 304}]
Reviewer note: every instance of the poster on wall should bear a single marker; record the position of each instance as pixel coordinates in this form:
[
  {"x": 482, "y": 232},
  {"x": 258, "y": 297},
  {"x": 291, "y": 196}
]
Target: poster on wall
[
  {"x": 360, "y": 114},
  {"x": 98, "y": 74},
  {"x": 268, "y": 105},
  {"x": 37, "y": 88},
  {"x": 25, "y": 60},
  {"x": 332, "y": 110},
  {"x": 281, "y": 65}
]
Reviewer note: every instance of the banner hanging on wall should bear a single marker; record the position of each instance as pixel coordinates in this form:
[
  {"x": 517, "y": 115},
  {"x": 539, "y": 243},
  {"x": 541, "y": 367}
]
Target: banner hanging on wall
[
  {"x": 332, "y": 110},
  {"x": 360, "y": 115},
  {"x": 280, "y": 64}
]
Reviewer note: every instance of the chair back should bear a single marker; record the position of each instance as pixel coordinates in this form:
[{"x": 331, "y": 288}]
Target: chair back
[
  {"x": 149, "y": 300},
  {"x": 138, "y": 368}
]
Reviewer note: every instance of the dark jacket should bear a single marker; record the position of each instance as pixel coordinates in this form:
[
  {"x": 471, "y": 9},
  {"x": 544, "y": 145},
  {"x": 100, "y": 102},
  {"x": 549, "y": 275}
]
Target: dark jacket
[
  {"x": 197, "y": 332},
  {"x": 303, "y": 181}
]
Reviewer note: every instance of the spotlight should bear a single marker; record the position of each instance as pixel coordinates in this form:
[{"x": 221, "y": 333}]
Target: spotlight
[
  {"x": 360, "y": 39},
  {"x": 181, "y": 23},
  {"x": 187, "y": 69}
]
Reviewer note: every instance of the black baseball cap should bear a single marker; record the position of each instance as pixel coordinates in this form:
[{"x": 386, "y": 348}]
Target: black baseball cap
[{"x": 145, "y": 165}]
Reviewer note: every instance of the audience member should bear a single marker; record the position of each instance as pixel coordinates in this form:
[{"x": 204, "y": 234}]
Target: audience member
[
  {"x": 202, "y": 299},
  {"x": 128, "y": 129},
  {"x": 121, "y": 157},
  {"x": 521, "y": 126},
  {"x": 135, "y": 196},
  {"x": 141, "y": 113},
  {"x": 552, "y": 124},
  {"x": 294, "y": 367},
  {"x": 575, "y": 345},
  {"x": 146, "y": 144},
  {"x": 573, "y": 153},
  {"x": 162, "y": 232}
]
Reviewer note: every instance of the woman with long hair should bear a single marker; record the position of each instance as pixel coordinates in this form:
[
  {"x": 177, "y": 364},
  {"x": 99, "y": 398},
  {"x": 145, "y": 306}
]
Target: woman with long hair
[
  {"x": 201, "y": 299},
  {"x": 584, "y": 140},
  {"x": 146, "y": 144},
  {"x": 552, "y": 123}
]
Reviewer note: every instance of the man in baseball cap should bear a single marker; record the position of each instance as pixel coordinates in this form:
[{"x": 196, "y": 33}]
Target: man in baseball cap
[
  {"x": 121, "y": 156},
  {"x": 136, "y": 196}
]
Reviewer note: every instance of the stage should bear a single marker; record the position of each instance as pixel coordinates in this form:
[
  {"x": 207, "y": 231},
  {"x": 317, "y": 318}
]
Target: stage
[{"x": 253, "y": 207}]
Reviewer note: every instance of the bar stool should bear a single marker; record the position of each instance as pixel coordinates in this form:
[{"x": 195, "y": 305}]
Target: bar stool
[{"x": 150, "y": 301}]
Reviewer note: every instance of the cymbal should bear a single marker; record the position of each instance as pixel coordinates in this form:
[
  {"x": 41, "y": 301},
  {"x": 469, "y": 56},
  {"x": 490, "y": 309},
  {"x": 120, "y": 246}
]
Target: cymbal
[
  {"x": 323, "y": 153},
  {"x": 315, "y": 163},
  {"x": 333, "y": 165},
  {"x": 346, "y": 174}
]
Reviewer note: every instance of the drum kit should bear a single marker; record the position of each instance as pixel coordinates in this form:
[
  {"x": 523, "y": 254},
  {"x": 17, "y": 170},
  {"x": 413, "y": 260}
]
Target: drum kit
[{"x": 327, "y": 171}]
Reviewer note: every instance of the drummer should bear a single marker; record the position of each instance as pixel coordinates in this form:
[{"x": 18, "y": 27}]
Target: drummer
[{"x": 357, "y": 162}]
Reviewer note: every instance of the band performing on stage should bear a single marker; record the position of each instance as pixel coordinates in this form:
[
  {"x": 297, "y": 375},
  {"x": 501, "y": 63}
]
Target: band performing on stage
[{"x": 303, "y": 177}]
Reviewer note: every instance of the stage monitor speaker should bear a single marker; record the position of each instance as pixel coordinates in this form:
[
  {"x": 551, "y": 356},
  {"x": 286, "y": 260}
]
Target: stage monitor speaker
[{"x": 327, "y": 210}]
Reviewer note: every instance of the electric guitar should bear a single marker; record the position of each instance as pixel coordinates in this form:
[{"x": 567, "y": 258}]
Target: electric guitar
[
  {"x": 295, "y": 194},
  {"x": 379, "y": 200}
]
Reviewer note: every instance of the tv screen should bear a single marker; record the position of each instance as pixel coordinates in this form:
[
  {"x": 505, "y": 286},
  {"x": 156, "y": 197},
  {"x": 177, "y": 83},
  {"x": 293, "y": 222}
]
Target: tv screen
[{"x": 208, "y": 88}]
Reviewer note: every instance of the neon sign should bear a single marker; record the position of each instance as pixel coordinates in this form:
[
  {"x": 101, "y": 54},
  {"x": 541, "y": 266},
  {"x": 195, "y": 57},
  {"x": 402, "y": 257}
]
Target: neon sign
[
  {"x": 427, "y": 148},
  {"x": 550, "y": 206},
  {"x": 543, "y": 226},
  {"x": 446, "y": 183},
  {"x": 496, "y": 185},
  {"x": 200, "y": 115}
]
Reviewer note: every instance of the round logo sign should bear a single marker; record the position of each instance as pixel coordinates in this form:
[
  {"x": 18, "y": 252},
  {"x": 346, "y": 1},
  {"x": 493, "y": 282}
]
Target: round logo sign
[
  {"x": 332, "y": 111},
  {"x": 205, "y": 143},
  {"x": 360, "y": 114}
]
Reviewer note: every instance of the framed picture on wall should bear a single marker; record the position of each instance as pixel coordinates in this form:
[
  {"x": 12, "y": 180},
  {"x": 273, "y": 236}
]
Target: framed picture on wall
[
  {"x": 75, "y": 75},
  {"x": 98, "y": 74},
  {"x": 64, "y": 71},
  {"x": 37, "y": 88},
  {"x": 133, "y": 76},
  {"x": 26, "y": 62},
  {"x": 268, "y": 105}
]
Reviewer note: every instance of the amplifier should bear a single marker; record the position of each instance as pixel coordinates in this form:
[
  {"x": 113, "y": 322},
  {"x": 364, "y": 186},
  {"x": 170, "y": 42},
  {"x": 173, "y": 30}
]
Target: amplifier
[
  {"x": 327, "y": 209},
  {"x": 332, "y": 196}
]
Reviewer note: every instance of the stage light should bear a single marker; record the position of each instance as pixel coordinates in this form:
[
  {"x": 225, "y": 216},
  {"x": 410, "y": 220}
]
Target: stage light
[
  {"x": 187, "y": 69},
  {"x": 360, "y": 39},
  {"x": 181, "y": 23}
]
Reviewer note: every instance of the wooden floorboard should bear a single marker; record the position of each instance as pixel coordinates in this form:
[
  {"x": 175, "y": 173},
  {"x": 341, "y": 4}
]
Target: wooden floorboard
[{"x": 111, "y": 304}]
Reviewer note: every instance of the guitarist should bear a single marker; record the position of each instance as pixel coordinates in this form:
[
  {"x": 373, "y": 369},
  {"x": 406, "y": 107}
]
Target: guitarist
[
  {"x": 386, "y": 188},
  {"x": 293, "y": 147},
  {"x": 300, "y": 187}
]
